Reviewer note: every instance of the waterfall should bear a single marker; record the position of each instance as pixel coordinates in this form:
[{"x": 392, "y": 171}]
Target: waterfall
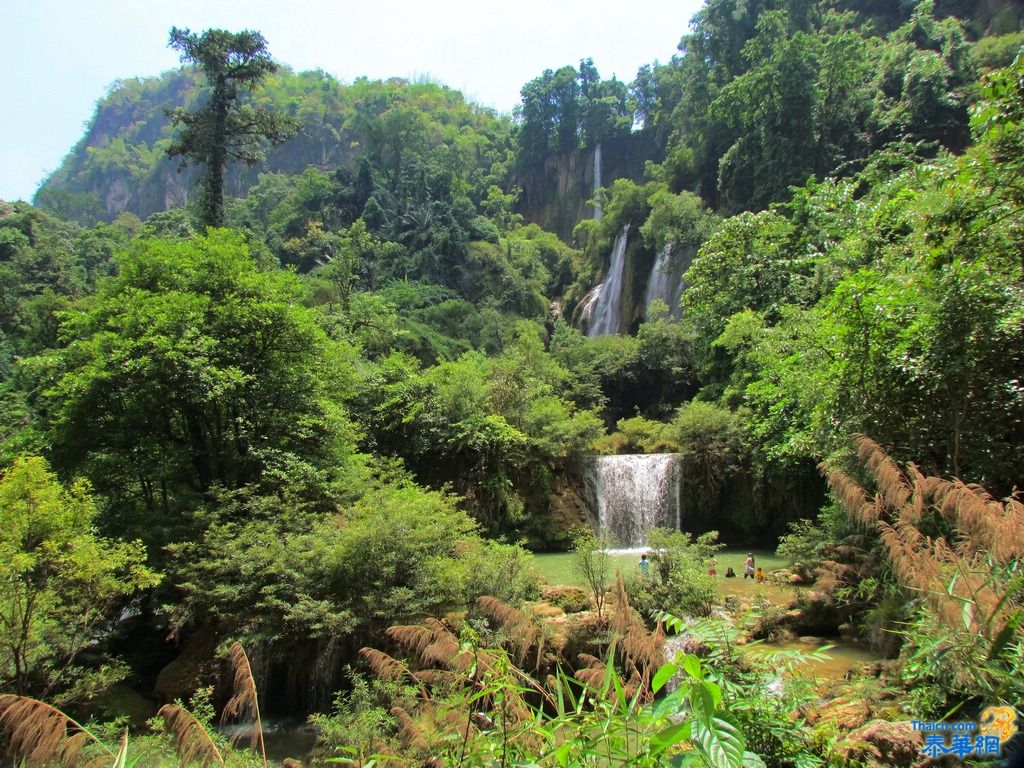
[
  {"x": 629, "y": 495},
  {"x": 660, "y": 284},
  {"x": 597, "y": 181},
  {"x": 666, "y": 279},
  {"x": 601, "y": 307}
]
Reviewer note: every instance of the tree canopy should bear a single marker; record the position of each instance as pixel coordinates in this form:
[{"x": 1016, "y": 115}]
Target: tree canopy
[{"x": 226, "y": 127}]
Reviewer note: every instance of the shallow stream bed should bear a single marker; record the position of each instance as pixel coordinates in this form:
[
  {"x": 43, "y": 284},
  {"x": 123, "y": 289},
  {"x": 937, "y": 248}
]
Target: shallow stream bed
[{"x": 839, "y": 659}]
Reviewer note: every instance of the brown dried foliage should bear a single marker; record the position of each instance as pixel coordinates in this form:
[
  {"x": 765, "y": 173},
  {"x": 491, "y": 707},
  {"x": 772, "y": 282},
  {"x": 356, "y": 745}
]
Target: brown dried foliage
[
  {"x": 41, "y": 735},
  {"x": 384, "y": 666},
  {"x": 408, "y": 731},
  {"x": 635, "y": 648},
  {"x": 244, "y": 702},
  {"x": 525, "y": 631},
  {"x": 191, "y": 740},
  {"x": 959, "y": 578}
]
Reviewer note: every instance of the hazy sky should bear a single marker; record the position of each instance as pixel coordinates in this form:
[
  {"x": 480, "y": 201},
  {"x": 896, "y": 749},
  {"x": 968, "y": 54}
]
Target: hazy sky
[{"x": 58, "y": 57}]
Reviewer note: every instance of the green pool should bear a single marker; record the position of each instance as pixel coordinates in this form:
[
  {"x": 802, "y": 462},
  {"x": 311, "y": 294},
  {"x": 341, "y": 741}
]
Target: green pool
[{"x": 557, "y": 567}]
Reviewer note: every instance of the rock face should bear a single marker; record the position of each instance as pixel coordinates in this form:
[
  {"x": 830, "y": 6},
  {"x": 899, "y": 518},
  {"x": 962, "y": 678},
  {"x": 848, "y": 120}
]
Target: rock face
[
  {"x": 883, "y": 743},
  {"x": 195, "y": 665},
  {"x": 567, "y": 508},
  {"x": 556, "y": 190}
]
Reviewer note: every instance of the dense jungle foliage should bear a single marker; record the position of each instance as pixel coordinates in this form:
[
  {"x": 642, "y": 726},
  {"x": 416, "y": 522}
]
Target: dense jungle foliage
[{"x": 338, "y": 422}]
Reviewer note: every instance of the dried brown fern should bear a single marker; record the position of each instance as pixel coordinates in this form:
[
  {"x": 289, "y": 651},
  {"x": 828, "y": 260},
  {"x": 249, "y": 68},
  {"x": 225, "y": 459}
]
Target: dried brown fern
[
  {"x": 852, "y": 494},
  {"x": 41, "y": 735},
  {"x": 525, "y": 631},
  {"x": 894, "y": 490},
  {"x": 191, "y": 740},
  {"x": 413, "y": 637},
  {"x": 958, "y": 578},
  {"x": 638, "y": 649},
  {"x": 408, "y": 731},
  {"x": 384, "y": 666},
  {"x": 437, "y": 677},
  {"x": 244, "y": 702}
]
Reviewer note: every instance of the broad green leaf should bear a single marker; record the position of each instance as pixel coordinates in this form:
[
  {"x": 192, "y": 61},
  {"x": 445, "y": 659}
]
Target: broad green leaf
[
  {"x": 662, "y": 676},
  {"x": 716, "y": 692},
  {"x": 721, "y": 741},
  {"x": 692, "y": 666},
  {"x": 670, "y": 736},
  {"x": 702, "y": 703}
]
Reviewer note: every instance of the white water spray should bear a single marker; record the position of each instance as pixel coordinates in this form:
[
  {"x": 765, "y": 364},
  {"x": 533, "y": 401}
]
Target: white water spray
[
  {"x": 630, "y": 495},
  {"x": 602, "y": 307}
]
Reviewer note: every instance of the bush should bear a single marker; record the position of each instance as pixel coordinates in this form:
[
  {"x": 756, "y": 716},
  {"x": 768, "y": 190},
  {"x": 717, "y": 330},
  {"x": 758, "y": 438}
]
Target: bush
[
  {"x": 679, "y": 582},
  {"x": 569, "y": 599}
]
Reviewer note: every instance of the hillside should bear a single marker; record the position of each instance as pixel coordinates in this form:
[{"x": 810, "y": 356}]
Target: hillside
[{"x": 782, "y": 272}]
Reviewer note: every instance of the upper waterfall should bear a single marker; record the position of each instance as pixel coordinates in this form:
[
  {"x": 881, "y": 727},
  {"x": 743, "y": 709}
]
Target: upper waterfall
[
  {"x": 629, "y": 495},
  {"x": 664, "y": 283},
  {"x": 602, "y": 310}
]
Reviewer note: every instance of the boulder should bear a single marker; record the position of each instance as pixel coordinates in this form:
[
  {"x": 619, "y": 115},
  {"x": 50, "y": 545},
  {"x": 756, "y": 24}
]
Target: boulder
[{"x": 883, "y": 743}]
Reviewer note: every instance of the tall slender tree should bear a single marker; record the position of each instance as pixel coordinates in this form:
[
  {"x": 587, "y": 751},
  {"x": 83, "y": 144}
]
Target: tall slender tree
[{"x": 224, "y": 127}]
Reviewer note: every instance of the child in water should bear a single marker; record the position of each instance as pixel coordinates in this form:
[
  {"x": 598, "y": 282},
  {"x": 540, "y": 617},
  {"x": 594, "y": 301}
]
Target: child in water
[
  {"x": 644, "y": 565},
  {"x": 759, "y": 575}
]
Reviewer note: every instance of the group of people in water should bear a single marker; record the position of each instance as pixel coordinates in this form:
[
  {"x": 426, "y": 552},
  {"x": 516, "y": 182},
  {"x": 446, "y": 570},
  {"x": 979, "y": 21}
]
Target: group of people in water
[{"x": 749, "y": 569}]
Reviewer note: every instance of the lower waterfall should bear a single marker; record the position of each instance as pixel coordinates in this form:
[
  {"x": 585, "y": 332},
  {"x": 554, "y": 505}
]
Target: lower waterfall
[{"x": 629, "y": 495}]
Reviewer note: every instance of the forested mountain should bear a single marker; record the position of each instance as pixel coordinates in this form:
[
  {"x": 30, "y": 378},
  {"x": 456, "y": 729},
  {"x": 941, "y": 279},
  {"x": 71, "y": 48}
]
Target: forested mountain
[
  {"x": 421, "y": 319},
  {"x": 732, "y": 115}
]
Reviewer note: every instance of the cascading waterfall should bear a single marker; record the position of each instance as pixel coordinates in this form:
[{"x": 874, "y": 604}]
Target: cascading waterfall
[
  {"x": 602, "y": 306},
  {"x": 629, "y": 495},
  {"x": 597, "y": 181},
  {"x": 666, "y": 279},
  {"x": 661, "y": 284}
]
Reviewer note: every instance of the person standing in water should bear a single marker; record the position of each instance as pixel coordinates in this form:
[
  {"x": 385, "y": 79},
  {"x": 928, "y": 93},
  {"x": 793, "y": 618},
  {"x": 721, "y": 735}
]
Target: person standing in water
[
  {"x": 748, "y": 567},
  {"x": 644, "y": 565}
]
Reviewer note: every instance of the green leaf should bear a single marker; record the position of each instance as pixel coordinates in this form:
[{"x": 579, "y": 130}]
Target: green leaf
[
  {"x": 670, "y": 736},
  {"x": 665, "y": 673},
  {"x": 716, "y": 692},
  {"x": 692, "y": 666},
  {"x": 702, "y": 704},
  {"x": 721, "y": 742}
]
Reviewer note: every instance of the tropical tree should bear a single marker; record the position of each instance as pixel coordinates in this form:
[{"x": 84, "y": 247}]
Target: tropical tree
[
  {"x": 224, "y": 128},
  {"x": 59, "y": 583},
  {"x": 193, "y": 369}
]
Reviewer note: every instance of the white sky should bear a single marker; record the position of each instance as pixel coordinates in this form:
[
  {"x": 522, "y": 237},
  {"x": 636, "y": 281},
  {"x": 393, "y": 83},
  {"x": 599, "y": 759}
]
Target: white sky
[{"x": 58, "y": 57}]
